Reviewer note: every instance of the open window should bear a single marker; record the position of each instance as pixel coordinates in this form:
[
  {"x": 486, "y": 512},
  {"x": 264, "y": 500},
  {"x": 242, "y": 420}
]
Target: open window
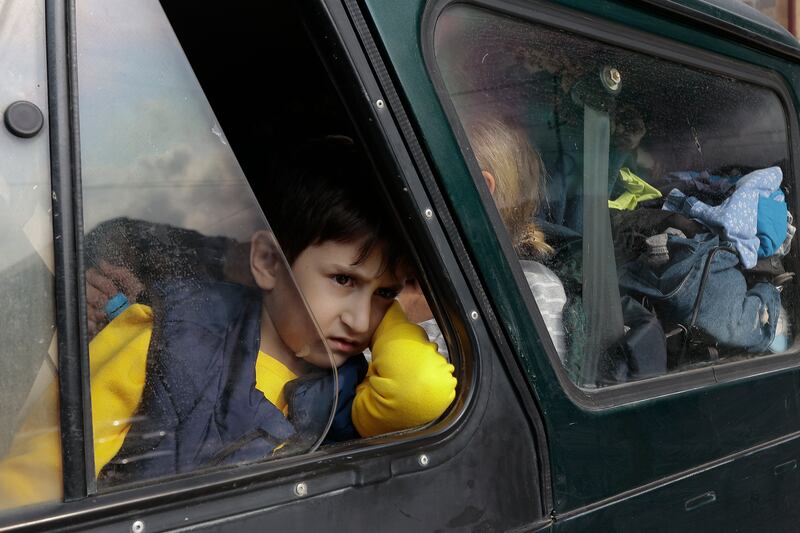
[
  {"x": 186, "y": 254},
  {"x": 650, "y": 202}
]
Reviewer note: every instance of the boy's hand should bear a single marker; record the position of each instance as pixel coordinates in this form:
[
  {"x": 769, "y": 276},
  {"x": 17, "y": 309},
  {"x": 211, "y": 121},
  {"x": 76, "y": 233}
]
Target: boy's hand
[
  {"x": 407, "y": 384},
  {"x": 103, "y": 283}
]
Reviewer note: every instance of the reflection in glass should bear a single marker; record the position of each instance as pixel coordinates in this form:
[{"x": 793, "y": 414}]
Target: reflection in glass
[
  {"x": 182, "y": 375},
  {"x": 645, "y": 172},
  {"x": 28, "y": 357}
]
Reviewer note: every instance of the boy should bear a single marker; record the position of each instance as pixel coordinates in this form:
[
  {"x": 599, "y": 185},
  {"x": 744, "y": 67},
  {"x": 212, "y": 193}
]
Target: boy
[{"x": 218, "y": 373}]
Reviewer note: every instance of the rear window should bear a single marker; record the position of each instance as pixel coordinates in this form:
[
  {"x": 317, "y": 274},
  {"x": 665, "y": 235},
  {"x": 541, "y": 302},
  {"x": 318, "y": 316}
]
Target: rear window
[{"x": 649, "y": 202}]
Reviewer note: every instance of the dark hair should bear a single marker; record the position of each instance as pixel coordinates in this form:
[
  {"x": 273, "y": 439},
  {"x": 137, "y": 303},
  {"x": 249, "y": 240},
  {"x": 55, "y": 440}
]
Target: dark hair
[{"x": 326, "y": 191}]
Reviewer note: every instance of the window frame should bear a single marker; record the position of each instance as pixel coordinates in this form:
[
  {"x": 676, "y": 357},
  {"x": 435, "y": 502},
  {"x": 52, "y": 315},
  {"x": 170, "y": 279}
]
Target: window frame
[
  {"x": 626, "y": 38},
  {"x": 73, "y": 354}
]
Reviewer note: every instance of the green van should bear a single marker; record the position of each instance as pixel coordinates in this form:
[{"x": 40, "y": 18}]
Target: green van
[{"x": 598, "y": 196}]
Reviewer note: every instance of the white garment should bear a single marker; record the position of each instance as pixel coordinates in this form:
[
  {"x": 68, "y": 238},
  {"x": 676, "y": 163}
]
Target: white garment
[
  {"x": 548, "y": 292},
  {"x": 435, "y": 335},
  {"x": 550, "y": 297}
]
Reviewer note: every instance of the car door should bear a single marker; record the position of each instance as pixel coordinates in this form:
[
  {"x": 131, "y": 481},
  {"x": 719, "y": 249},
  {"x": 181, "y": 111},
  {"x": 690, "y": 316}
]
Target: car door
[
  {"x": 662, "y": 442},
  {"x": 158, "y": 141}
]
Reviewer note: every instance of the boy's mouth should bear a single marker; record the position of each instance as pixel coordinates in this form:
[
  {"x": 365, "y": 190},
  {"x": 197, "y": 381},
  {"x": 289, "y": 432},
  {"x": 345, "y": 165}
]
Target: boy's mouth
[{"x": 344, "y": 345}]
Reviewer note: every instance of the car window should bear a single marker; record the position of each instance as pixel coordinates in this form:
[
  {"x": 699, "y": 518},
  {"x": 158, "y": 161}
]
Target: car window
[
  {"x": 180, "y": 380},
  {"x": 649, "y": 202},
  {"x": 170, "y": 220},
  {"x": 28, "y": 357},
  {"x": 218, "y": 336}
]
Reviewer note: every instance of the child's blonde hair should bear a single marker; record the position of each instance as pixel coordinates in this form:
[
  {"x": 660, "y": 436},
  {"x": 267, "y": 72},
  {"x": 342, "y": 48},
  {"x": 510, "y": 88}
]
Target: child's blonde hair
[{"x": 503, "y": 150}]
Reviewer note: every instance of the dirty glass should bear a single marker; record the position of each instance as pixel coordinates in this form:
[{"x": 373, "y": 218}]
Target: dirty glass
[
  {"x": 649, "y": 202},
  {"x": 190, "y": 368},
  {"x": 28, "y": 357}
]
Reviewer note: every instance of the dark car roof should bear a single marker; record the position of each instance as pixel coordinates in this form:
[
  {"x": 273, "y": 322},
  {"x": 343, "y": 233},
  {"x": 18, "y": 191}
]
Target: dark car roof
[{"x": 736, "y": 17}]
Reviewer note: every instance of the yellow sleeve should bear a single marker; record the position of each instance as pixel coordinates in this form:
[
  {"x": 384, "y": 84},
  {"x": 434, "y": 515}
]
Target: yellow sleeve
[
  {"x": 31, "y": 471},
  {"x": 408, "y": 382},
  {"x": 118, "y": 361}
]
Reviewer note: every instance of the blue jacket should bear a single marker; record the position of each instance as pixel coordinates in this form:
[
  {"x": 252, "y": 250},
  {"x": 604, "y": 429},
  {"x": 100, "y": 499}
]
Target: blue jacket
[
  {"x": 200, "y": 407},
  {"x": 730, "y": 312}
]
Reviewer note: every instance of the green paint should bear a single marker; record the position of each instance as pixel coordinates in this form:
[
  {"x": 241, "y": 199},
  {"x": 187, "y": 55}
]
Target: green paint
[{"x": 599, "y": 453}]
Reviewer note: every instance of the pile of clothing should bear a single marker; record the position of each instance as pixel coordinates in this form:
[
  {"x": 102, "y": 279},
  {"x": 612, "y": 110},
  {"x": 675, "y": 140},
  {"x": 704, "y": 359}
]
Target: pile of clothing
[{"x": 704, "y": 252}]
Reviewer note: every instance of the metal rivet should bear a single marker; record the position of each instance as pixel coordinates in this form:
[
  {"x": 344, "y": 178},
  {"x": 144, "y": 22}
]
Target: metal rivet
[
  {"x": 612, "y": 78},
  {"x": 423, "y": 460},
  {"x": 301, "y": 489},
  {"x": 429, "y": 213},
  {"x": 137, "y": 527},
  {"x": 379, "y": 104},
  {"x": 474, "y": 315}
]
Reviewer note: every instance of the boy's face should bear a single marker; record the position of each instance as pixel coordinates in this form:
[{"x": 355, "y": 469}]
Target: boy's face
[{"x": 347, "y": 300}]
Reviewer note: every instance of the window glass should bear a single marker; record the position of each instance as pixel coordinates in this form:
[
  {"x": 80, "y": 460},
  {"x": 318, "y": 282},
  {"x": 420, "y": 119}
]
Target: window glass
[
  {"x": 190, "y": 366},
  {"x": 28, "y": 357},
  {"x": 648, "y": 201}
]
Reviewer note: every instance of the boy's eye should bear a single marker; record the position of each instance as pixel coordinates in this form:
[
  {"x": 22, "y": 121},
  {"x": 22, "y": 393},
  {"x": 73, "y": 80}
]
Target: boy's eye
[
  {"x": 342, "y": 279},
  {"x": 388, "y": 294}
]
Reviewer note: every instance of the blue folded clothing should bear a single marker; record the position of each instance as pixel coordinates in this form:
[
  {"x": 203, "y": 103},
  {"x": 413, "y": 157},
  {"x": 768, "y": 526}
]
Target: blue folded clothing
[
  {"x": 730, "y": 312},
  {"x": 772, "y": 224}
]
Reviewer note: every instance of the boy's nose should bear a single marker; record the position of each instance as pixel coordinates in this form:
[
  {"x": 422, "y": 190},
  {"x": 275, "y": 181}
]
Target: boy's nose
[{"x": 356, "y": 316}]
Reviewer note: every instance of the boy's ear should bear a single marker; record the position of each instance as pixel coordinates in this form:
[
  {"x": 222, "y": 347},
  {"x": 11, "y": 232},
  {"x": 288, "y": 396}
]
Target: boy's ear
[
  {"x": 265, "y": 259},
  {"x": 490, "y": 181}
]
